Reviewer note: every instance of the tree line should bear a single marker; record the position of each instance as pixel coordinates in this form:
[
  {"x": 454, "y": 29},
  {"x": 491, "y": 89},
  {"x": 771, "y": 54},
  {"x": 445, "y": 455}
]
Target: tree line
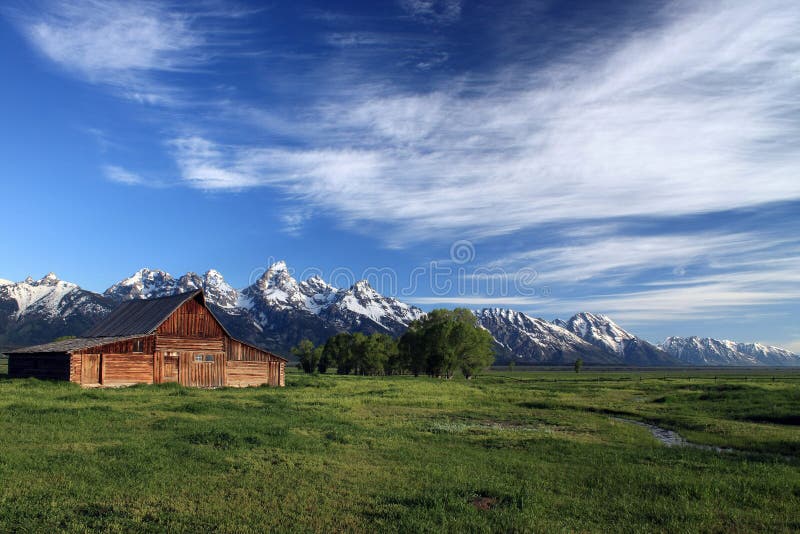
[{"x": 440, "y": 344}]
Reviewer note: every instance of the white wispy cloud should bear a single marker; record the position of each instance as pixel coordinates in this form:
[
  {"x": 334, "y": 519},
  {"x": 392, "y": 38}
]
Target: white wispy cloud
[
  {"x": 614, "y": 258},
  {"x": 697, "y": 115},
  {"x": 717, "y": 297},
  {"x": 122, "y": 176},
  {"x": 210, "y": 166},
  {"x": 433, "y": 11},
  {"x": 294, "y": 222},
  {"x": 120, "y": 44}
]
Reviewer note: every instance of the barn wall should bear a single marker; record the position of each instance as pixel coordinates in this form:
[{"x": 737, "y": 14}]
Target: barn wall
[
  {"x": 239, "y": 351},
  {"x": 193, "y": 320},
  {"x": 251, "y": 366},
  {"x": 123, "y": 369},
  {"x": 244, "y": 373},
  {"x": 121, "y": 347},
  {"x": 171, "y": 343},
  {"x": 75, "y": 366},
  {"x": 46, "y": 366}
]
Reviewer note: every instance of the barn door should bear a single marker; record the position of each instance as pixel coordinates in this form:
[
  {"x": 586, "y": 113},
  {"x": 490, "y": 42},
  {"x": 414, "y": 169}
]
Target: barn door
[
  {"x": 206, "y": 369},
  {"x": 90, "y": 369},
  {"x": 171, "y": 367}
]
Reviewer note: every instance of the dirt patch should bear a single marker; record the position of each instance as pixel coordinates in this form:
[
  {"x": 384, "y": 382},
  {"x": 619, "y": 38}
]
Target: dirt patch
[{"x": 484, "y": 502}]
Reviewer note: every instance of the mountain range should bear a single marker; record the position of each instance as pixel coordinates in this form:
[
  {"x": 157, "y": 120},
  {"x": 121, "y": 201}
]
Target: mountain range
[{"x": 277, "y": 311}]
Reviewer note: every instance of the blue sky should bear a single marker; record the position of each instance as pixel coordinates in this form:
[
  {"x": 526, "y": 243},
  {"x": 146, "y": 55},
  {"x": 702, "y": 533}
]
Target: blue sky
[{"x": 639, "y": 160}]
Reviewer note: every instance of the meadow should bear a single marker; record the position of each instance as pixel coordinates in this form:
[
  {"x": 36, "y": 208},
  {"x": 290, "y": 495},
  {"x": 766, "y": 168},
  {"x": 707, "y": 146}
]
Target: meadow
[{"x": 522, "y": 451}]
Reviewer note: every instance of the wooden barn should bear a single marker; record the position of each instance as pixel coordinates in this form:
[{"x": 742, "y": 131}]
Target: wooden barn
[{"x": 171, "y": 339}]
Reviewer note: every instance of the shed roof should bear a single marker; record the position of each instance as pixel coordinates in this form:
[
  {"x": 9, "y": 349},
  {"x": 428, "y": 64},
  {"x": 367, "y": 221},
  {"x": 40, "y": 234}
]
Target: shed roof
[
  {"x": 69, "y": 345},
  {"x": 142, "y": 317}
]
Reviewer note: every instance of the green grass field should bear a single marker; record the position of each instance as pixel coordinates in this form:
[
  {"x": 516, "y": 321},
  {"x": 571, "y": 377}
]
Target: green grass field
[{"x": 521, "y": 451}]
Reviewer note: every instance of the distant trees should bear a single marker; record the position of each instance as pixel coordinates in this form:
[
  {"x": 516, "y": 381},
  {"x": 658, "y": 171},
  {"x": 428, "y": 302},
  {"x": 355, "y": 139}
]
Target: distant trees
[
  {"x": 578, "y": 365},
  {"x": 441, "y": 343}
]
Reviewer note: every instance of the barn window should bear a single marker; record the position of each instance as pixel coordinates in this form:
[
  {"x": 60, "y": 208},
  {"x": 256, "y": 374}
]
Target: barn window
[
  {"x": 206, "y": 358},
  {"x": 210, "y": 358},
  {"x": 138, "y": 345},
  {"x": 198, "y": 357}
]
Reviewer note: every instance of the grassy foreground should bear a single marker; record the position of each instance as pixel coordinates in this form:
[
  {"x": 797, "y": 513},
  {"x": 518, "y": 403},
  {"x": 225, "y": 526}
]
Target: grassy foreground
[{"x": 522, "y": 451}]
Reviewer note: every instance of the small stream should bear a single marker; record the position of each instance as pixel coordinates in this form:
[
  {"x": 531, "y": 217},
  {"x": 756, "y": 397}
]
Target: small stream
[{"x": 672, "y": 439}]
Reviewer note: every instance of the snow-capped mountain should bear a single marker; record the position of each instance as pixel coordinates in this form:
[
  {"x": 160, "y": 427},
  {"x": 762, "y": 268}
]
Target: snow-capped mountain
[
  {"x": 768, "y": 354},
  {"x": 281, "y": 304},
  {"x": 32, "y": 310},
  {"x": 147, "y": 283},
  {"x": 49, "y": 297},
  {"x": 707, "y": 351},
  {"x": 217, "y": 290},
  {"x": 277, "y": 311},
  {"x": 278, "y": 289},
  {"x": 602, "y": 332},
  {"x": 361, "y": 305},
  {"x": 143, "y": 284},
  {"x": 526, "y": 339}
]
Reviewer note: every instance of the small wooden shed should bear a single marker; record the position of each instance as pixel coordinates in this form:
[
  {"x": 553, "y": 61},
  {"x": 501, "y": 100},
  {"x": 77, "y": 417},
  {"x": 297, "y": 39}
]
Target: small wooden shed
[{"x": 153, "y": 341}]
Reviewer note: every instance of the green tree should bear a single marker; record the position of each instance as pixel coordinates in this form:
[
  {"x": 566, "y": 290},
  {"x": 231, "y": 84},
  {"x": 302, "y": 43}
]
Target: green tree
[
  {"x": 308, "y": 354},
  {"x": 381, "y": 349},
  {"x": 358, "y": 352},
  {"x": 578, "y": 365},
  {"x": 447, "y": 340},
  {"x": 324, "y": 361},
  {"x": 338, "y": 351},
  {"x": 396, "y": 363},
  {"x": 471, "y": 343},
  {"x": 411, "y": 352}
]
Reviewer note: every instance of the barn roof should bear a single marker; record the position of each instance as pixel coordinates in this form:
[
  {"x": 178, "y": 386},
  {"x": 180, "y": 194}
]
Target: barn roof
[
  {"x": 69, "y": 345},
  {"x": 142, "y": 317}
]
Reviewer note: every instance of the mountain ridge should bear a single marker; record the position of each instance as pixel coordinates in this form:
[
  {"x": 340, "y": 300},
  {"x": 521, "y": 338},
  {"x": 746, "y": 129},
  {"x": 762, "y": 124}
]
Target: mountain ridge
[
  {"x": 697, "y": 350},
  {"x": 277, "y": 311}
]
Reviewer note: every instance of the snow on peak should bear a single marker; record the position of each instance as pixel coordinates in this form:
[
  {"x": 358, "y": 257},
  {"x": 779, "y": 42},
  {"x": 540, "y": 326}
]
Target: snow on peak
[
  {"x": 43, "y": 296},
  {"x": 277, "y": 275},
  {"x": 537, "y": 338},
  {"x": 519, "y": 319},
  {"x": 49, "y": 278},
  {"x": 278, "y": 266},
  {"x": 708, "y": 351},
  {"x": 362, "y": 299},
  {"x": 318, "y": 293},
  {"x": 218, "y": 291},
  {"x": 213, "y": 275},
  {"x": 144, "y": 283},
  {"x": 363, "y": 289},
  {"x": 276, "y": 287},
  {"x": 600, "y": 330},
  {"x": 4, "y": 282}
]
